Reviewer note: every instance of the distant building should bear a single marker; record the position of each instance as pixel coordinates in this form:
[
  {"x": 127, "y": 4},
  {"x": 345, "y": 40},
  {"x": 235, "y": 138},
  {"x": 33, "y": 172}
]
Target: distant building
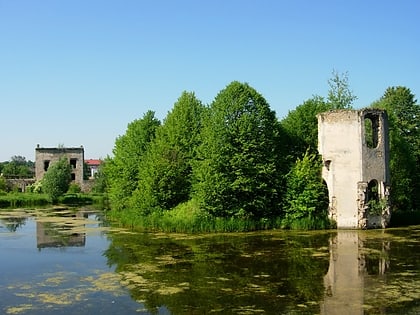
[
  {"x": 44, "y": 157},
  {"x": 93, "y": 166}
]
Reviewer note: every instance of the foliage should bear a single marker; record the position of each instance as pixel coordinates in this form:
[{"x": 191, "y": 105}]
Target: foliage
[
  {"x": 35, "y": 187},
  {"x": 165, "y": 170},
  {"x": 339, "y": 95},
  {"x": 404, "y": 135},
  {"x": 376, "y": 207},
  {"x": 189, "y": 217},
  {"x": 301, "y": 126},
  {"x": 238, "y": 169},
  {"x": 18, "y": 167},
  {"x": 100, "y": 183},
  {"x": 3, "y": 183},
  {"x": 122, "y": 171},
  {"x": 306, "y": 197},
  {"x": 14, "y": 200},
  {"x": 74, "y": 188},
  {"x": 57, "y": 179}
]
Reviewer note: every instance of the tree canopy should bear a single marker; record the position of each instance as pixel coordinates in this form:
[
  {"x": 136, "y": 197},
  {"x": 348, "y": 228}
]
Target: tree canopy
[
  {"x": 238, "y": 169},
  {"x": 165, "y": 171},
  {"x": 122, "y": 171},
  {"x": 57, "y": 179},
  {"x": 235, "y": 159}
]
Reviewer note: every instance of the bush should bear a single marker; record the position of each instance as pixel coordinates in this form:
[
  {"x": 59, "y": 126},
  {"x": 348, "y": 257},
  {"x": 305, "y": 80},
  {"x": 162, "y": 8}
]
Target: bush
[{"x": 74, "y": 189}]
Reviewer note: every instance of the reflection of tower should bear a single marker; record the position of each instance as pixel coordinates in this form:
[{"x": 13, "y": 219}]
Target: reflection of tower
[
  {"x": 355, "y": 151},
  {"x": 58, "y": 234},
  {"x": 344, "y": 282}
]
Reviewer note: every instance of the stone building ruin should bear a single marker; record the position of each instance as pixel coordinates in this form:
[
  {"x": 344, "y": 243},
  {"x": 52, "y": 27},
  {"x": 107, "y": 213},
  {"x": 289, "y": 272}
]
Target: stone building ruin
[
  {"x": 354, "y": 147},
  {"x": 44, "y": 157}
]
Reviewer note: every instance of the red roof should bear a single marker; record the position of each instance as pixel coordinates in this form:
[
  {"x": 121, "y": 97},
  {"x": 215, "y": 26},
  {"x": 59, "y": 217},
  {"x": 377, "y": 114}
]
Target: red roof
[{"x": 93, "y": 162}]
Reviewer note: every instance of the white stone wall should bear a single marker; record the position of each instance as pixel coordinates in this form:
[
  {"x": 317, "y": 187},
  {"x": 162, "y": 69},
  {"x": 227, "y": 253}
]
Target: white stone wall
[{"x": 349, "y": 164}]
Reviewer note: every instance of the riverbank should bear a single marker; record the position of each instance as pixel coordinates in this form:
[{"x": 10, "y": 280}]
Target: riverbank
[
  {"x": 190, "y": 218},
  {"x": 18, "y": 200}
]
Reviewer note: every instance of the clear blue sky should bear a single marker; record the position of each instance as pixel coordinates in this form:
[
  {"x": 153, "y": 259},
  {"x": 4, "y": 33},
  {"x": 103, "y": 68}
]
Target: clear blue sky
[{"x": 76, "y": 72}]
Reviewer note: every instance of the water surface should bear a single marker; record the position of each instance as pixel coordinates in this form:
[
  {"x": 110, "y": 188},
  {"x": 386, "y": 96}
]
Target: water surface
[{"x": 71, "y": 262}]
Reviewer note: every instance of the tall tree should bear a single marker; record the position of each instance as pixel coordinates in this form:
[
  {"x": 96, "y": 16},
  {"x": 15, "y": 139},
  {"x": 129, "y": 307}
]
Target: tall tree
[
  {"x": 301, "y": 126},
  {"x": 122, "y": 171},
  {"x": 404, "y": 133},
  {"x": 165, "y": 171},
  {"x": 57, "y": 179},
  {"x": 239, "y": 160},
  {"x": 339, "y": 94}
]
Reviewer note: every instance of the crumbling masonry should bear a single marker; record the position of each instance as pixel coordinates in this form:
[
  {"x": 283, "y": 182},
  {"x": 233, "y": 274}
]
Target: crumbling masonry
[
  {"x": 44, "y": 157},
  {"x": 355, "y": 153}
]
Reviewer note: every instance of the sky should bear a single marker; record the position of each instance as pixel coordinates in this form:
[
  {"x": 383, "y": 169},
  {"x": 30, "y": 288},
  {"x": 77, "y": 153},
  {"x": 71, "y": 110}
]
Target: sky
[{"x": 77, "y": 72}]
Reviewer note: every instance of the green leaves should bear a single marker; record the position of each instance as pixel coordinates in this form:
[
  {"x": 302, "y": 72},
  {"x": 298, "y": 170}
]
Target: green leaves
[
  {"x": 165, "y": 172},
  {"x": 238, "y": 168},
  {"x": 57, "y": 179},
  {"x": 122, "y": 172},
  {"x": 306, "y": 195}
]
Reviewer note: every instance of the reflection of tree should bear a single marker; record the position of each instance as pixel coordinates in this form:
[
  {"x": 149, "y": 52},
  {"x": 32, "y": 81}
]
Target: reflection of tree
[
  {"x": 223, "y": 273},
  {"x": 13, "y": 223}
]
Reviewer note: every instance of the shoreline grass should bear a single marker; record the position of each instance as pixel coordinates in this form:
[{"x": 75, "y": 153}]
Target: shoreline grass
[
  {"x": 28, "y": 199},
  {"x": 189, "y": 218}
]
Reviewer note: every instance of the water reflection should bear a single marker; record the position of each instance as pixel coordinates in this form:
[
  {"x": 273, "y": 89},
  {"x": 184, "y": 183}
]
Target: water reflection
[
  {"x": 344, "y": 279},
  {"x": 11, "y": 223},
  {"x": 340, "y": 272},
  {"x": 251, "y": 273},
  {"x": 277, "y": 272},
  {"x": 60, "y": 234}
]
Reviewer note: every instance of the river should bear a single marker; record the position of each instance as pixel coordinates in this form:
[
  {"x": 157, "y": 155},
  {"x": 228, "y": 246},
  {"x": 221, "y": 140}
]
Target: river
[{"x": 71, "y": 261}]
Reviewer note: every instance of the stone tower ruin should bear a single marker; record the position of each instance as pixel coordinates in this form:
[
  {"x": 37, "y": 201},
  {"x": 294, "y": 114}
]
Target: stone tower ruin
[
  {"x": 354, "y": 147},
  {"x": 44, "y": 157}
]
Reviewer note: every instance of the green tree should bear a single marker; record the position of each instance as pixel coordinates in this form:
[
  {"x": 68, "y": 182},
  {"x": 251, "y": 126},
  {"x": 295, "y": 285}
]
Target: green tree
[
  {"x": 122, "y": 171},
  {"x": 18, "y": 167},
  {"x": 339, "y": 94},
  {"x": 165, "y": 171},
  {"x": 3, "y": 184},
  {"x": 306, "y": 198},
  {"x": 238, "y": 171},
  {"x": 301, "y": 126},
  {"x": 100, "y": 184},
  {"x": 57, "y": 179},
  {"x": 404, "y": 134}
]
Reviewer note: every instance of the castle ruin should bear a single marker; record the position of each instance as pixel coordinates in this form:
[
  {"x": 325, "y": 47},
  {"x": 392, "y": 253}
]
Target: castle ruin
[
  {"x": 354, "y": 147},
  {"x": 44, "y": 157}
]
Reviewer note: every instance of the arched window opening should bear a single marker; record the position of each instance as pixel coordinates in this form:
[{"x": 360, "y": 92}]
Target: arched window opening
[
  {"x": 372, "y": 190},
  {"x": 371, "y": 123}
]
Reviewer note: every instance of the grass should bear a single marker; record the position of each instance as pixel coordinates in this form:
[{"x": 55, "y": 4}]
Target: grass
[
  {"x": 15, "y": 200},
  {"x": 189, "y": 218},
  {"x": 18, "y": 199}
]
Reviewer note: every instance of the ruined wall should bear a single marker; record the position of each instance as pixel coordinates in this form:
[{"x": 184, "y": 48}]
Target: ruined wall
[
  {"x": 44, "y": 157},
  {"x": 355, "y": 164}
]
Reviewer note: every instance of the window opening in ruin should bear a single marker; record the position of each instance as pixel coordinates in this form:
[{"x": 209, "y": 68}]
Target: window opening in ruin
[
  {"x": 371, "y": 123},
  {"x": 73, "y": 163},
  {"x": 73, "y": 176},
  {"x": 327, "y": 164},
  {"x": 46, "y": 165},
  {"x": 372, "y": 190}
]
